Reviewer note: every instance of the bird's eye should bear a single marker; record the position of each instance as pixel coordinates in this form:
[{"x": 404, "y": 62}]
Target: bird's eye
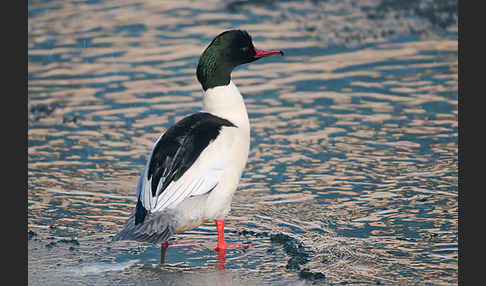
[{"x": 244, "y": 49}]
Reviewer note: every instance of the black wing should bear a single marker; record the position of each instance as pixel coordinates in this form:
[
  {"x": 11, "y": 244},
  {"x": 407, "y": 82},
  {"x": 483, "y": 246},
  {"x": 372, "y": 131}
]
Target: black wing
[{"x": 177, "y": 150}]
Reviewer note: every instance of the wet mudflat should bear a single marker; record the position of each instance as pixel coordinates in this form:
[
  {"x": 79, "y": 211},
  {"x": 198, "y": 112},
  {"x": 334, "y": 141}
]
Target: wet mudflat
[{"x": 352, "y": 174}]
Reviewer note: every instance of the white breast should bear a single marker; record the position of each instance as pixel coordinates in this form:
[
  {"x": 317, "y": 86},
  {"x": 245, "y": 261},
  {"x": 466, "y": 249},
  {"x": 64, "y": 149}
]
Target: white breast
[{"x": 227, "y": 102}]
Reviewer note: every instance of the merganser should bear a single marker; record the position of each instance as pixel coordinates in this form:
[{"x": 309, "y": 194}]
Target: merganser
[{"x": 195, "y": 166}]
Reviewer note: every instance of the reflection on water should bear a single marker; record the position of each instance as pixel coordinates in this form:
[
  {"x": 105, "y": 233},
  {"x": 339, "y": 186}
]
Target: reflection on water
[{"x": 353, "y": 158}]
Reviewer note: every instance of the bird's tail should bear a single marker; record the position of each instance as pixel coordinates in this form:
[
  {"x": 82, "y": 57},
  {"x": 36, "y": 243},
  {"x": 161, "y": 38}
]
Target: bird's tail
[{"x": 155, "y": 228}]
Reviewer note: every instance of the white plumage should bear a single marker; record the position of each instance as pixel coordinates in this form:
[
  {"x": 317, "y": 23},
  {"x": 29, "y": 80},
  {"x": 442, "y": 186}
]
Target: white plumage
[
  {"x": 226, "y": 157},
  {"x": 194, "y": 168}
]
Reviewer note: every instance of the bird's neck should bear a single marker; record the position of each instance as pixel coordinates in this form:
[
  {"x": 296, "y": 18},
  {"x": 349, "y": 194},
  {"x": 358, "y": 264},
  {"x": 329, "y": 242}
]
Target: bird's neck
[{"x": 226, "y": 101}]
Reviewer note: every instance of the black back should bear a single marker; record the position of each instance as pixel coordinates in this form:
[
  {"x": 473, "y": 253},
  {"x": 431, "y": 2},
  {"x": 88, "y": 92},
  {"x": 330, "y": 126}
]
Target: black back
[
  {"x": 178, "y": 149},
  {"x": 181, "y": 145}
]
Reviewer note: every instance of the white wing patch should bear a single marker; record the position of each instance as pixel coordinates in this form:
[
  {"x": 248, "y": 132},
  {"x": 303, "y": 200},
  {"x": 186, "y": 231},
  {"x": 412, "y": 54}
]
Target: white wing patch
[{"x": 199, "y": 179}]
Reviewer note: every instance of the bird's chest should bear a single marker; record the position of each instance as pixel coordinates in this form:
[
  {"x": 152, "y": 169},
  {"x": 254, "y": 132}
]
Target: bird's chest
[{"x": 237, "y": 142}]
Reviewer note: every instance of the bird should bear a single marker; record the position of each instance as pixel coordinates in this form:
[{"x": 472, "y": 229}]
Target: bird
[{"x": 195, "y": 166}]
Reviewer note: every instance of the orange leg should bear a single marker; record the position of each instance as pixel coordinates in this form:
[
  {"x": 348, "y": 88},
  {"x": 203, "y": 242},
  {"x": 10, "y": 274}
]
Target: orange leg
[
  {"x": 163, "y": 250},
  {"x": 221, "y": 243},
  {"x": 221, "y": 246}
]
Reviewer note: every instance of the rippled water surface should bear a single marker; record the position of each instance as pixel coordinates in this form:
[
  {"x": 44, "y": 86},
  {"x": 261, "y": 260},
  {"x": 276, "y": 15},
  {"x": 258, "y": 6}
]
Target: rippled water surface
[{"x": 352, "y": 174}]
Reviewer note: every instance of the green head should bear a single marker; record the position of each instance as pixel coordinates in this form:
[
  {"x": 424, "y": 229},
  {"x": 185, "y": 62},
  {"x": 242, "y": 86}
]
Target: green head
[{"x": 227, "y": 51}]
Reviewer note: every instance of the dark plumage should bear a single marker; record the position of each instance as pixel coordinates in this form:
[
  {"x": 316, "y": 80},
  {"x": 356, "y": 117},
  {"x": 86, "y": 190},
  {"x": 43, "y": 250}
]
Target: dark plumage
[
  {"x": 227, "y": 51},
  {"x": 178, "y": 149},
  {"x": 155, "y": 228},
  {"x": 181, "y": 145}
]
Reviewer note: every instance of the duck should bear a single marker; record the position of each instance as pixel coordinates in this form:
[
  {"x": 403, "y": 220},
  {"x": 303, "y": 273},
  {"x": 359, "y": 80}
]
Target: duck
[{"x": 195, "y": 166}]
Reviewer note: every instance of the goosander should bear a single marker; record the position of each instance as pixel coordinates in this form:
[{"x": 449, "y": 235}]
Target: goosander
[{"x": 195, "y": 165}]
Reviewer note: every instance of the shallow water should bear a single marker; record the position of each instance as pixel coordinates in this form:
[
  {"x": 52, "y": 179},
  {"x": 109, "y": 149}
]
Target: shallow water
[{"x": 352, "y": 174}]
